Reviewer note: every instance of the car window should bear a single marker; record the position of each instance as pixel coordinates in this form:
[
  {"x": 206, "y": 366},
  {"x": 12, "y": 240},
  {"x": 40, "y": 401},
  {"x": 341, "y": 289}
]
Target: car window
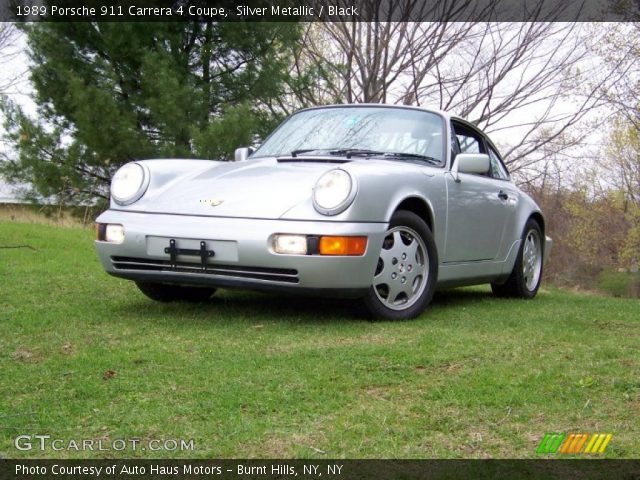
[
  {"x": 387, "y": 130},
  {"x": 468, "y": 144},
  {"x": 497, "y": 168},
  {"x": 468, "y": 140}
]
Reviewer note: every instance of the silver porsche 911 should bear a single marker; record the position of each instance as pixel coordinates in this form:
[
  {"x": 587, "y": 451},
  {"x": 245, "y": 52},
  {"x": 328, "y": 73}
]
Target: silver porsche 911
[{"x": 376, "y": 202}]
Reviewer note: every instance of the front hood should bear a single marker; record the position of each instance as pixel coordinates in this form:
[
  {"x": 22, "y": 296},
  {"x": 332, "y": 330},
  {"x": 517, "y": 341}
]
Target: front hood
[{"x": 250, "y": 189}]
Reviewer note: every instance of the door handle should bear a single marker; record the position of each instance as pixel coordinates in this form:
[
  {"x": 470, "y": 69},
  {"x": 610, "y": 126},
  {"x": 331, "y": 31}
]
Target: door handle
[{"x": 502, "y": 195}]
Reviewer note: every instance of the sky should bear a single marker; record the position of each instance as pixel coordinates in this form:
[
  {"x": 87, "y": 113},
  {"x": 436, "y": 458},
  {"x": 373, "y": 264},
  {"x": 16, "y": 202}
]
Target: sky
[{"x": 12, "y": 65}]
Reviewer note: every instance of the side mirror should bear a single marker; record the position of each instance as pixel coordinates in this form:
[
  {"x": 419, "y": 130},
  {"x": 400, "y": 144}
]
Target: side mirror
[
  {"x": 470, "y": 163},
  {"x": 243, "y": 153}
]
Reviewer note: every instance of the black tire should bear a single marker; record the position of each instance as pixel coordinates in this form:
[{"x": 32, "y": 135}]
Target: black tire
[
  {"x": 161, "y": 292},
  {"x": 405, "y": 223},
  {"x": 516, "y": 286}
]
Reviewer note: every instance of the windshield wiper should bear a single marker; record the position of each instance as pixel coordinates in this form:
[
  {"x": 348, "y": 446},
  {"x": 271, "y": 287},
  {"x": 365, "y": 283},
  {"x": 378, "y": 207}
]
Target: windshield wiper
[
  {"x": 295, "y": 153},
  {"x": 416, "y": 156},
  {"x": 349, "y": 152}
]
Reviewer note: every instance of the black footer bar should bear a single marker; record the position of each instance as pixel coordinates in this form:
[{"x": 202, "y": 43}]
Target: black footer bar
[{"x": 322, "y": 469}]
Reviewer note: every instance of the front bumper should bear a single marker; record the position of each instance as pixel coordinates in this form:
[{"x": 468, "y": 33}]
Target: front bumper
[{"x": 245, "y": 257}]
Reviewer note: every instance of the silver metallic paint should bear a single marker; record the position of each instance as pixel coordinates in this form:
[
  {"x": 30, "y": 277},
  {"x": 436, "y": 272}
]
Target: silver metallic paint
[{"x": 477, "y": 234}]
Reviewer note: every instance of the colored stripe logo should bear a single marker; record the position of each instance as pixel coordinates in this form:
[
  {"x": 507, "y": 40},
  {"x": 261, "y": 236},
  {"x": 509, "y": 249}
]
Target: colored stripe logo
[{"x": 574, "y": 443}]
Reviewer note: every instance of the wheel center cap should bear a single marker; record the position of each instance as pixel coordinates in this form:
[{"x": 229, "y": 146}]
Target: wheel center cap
[{"x": 401, "y": 267}]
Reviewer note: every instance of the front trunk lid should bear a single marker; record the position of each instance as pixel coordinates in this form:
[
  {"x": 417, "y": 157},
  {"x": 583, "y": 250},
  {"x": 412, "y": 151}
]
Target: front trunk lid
[{"x": 263, "y": 189}]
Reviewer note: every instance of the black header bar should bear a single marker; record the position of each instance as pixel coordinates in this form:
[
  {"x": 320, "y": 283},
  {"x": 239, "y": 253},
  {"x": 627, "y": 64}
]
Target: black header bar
[{"x": 319, "y": 10}]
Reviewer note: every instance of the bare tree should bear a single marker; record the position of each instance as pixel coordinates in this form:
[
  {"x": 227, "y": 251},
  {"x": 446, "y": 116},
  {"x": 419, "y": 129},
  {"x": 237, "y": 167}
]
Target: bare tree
[
  {"x": 619, "y": 49},
  {"x": 533, "y": 78}
]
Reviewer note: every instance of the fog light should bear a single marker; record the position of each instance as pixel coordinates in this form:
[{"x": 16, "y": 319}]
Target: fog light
[
  {"x": 114, "y": 233},
  {"x": 343, "y": 245},
  {"x": 290, "y": 244}
]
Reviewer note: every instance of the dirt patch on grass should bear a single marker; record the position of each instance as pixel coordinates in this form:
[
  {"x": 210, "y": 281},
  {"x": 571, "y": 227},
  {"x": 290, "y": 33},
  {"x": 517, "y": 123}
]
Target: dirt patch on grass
[
  {"x": 447, "y": 367},
  {"x": 25, "y": 355},
  {"x": 282, "y": 445},
  {"x": 68, "y": 348},
  {"x": 379, "y": 393}
]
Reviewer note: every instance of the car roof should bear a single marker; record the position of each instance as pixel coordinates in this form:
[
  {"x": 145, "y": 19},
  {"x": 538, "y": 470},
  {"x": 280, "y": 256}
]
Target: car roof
[{"x": 382, "y": 105}]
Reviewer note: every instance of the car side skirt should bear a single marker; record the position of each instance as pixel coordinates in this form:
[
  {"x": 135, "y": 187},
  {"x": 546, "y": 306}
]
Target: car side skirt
[{"x": 460, "y": 274}]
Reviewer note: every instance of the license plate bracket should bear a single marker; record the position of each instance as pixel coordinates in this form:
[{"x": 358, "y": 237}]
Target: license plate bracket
[{"x": 202, "y": 252}]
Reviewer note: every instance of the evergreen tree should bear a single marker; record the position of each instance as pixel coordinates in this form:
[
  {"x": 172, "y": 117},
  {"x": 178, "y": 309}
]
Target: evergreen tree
[{"x": 108, "y": 93}]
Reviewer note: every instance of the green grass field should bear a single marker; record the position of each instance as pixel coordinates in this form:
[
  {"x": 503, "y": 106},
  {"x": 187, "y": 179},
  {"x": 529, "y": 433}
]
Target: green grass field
[{"x": 256, "y": 375}]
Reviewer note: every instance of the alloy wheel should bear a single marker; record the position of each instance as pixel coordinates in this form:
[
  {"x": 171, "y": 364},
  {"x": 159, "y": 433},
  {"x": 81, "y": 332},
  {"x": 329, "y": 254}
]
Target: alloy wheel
[{"x": 403, "y": 269}]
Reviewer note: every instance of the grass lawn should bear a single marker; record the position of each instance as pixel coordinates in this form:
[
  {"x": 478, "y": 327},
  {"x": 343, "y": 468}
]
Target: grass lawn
[{"x": 256, "y": 375}]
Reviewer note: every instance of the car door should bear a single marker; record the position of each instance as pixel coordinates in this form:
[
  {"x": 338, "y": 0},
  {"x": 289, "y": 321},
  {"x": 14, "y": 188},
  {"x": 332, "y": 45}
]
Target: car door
[{"x": 477, "y": 205}]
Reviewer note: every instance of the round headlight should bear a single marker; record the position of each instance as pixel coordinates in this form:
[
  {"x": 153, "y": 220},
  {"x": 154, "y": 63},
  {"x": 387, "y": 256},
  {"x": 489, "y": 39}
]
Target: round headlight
[
  {"x": 334, "y": 192},
  {"x": 129, "y": 183}
]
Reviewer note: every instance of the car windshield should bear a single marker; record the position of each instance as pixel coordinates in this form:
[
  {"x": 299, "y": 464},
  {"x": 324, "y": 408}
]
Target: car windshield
[{"x": 399, "y": 133}]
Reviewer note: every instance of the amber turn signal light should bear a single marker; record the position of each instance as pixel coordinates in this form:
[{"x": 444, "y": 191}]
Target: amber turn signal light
[
  {"x": 343, "y": 245},
  {"x": 100, "y": 228}
]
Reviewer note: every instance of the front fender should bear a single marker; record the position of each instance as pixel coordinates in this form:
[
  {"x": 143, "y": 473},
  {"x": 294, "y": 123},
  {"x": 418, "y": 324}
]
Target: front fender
[{"x": 382, "y": 188}]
